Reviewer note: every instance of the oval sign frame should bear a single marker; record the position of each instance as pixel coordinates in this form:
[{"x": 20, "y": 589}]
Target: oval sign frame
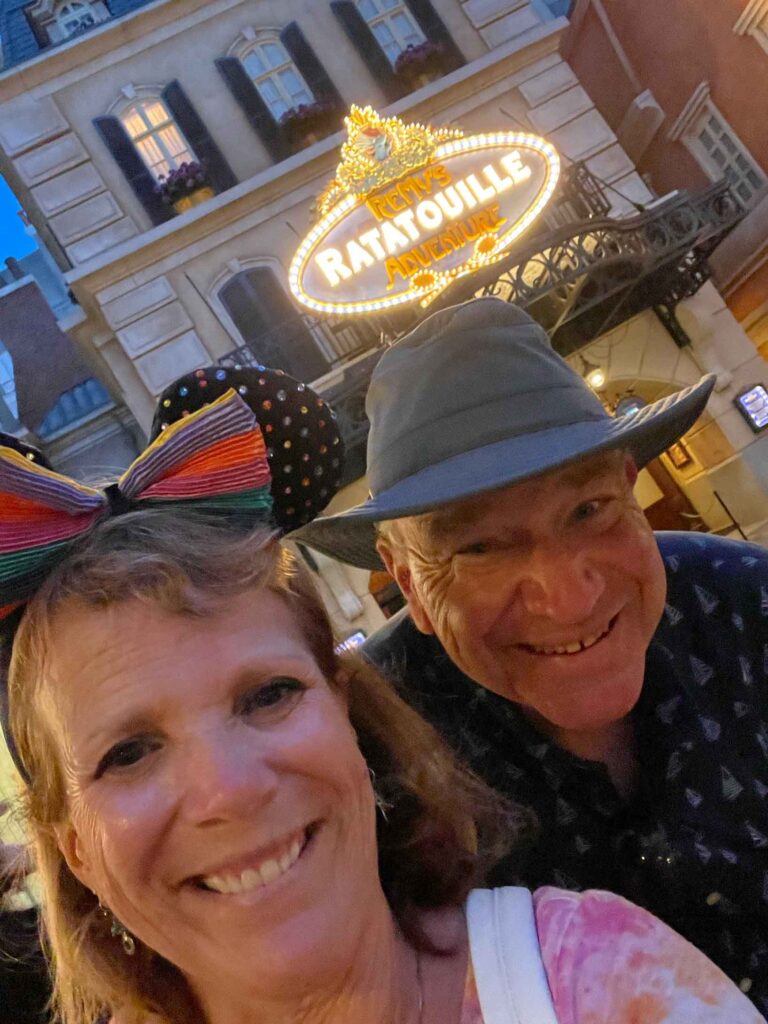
[{"x": 447, "y": 150}]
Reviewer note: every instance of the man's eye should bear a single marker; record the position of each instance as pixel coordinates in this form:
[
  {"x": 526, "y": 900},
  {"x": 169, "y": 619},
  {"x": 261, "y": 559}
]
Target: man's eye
[
  {"x": 480, "y": 547},
  {"x": 585, "y": 510},
  {"x": 590, "y": 509},
  {"x": 126, "y": 754},
  {"x": 277, "y": 693}
]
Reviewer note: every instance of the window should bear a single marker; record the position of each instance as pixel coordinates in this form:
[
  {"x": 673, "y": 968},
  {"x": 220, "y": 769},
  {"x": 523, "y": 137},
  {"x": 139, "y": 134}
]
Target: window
[
  {"x": 65, "y": 20},
  {"x": 9, "y": 406},
  {"x": 392, "y": 24},
  {"x": 156, "y": 136},
  {"x": 273, "y": 330},
  {"x": 276, "y": 77},
  {"x": 722, "y": 155},
  {"x": 74, "y": 17}
]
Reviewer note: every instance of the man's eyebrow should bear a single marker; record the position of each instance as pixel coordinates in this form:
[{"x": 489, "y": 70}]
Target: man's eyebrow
[
  {"x": 444, "y": 522},
  {"x": 581, "y": 473}
]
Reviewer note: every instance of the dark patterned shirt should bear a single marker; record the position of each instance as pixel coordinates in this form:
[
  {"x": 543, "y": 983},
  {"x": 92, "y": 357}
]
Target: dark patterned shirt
[{"x": 691, "y": 844}]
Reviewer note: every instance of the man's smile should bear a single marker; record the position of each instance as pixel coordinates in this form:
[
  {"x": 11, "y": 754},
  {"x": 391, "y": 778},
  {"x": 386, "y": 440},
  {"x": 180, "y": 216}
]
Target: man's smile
[{"x": 575, "y": 646}]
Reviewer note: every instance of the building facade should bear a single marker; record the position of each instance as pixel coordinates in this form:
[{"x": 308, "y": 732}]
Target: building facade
[
  {"x": 683, "y": 92},
  {"x": 49, "y": 395},
  {"x": 102, "y": 102}
]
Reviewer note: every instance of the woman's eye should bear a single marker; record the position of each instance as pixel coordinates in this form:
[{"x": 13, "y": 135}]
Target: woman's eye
[
  {"x": 276, "y": 693},
  {"x": 126, "y": 754}
]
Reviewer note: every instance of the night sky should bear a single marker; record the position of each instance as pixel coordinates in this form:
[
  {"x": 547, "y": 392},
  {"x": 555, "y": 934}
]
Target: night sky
[{"x": 13, "y": 239}]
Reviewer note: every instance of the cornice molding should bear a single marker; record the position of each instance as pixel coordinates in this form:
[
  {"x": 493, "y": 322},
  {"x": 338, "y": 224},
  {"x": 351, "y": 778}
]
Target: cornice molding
[
  {"x": 690, "y": 111},
  {"x": 751, "y": 16},
  {"x": 42, "y": 10},
  {"x": 249, "y": 36}
]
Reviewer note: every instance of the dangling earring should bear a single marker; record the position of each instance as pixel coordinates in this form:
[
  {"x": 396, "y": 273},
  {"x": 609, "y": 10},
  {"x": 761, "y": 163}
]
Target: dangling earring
[
  {"x": 119, "y": 931},
  {"x": 381, "y": 804}
]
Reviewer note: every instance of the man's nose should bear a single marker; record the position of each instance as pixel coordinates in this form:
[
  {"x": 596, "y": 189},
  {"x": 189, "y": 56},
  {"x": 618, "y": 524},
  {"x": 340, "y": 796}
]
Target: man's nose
[
  {"x": 560, "y": 585},
  {"x": 223, "y": 777}
]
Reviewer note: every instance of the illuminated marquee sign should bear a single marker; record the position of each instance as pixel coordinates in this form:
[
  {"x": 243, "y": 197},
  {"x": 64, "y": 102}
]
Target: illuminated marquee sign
[{"x": 413, "y": 208}]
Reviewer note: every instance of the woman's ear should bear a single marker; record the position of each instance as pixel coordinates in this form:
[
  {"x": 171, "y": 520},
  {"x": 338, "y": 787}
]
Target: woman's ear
[{"x": 72, "y": 851}]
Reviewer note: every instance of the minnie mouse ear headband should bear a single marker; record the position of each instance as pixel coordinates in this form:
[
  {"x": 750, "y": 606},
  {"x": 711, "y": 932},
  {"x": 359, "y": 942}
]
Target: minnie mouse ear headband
[
  {"x": 213, "y": 460},
  {"x": 304, "y": 448}
]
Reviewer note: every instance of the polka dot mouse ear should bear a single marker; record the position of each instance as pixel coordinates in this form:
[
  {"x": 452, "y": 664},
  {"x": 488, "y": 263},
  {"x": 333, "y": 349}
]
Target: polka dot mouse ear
[{"x": 304, "y": 447}]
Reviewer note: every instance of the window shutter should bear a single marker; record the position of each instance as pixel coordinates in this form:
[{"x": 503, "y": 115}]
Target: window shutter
[
  {"x": 253, "y": 106},
  {"x": 196, "y": 134},
  {"x": 372, "y": 54},
  {"x": 270, "y": 325},
  {"x": 137, "y": 174},
  {"x": 433, "y": 27},
  {"x": 305, "y": 59}
]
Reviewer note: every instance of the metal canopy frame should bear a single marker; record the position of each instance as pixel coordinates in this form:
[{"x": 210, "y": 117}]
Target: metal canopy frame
[{"x": 585, "y": 279}]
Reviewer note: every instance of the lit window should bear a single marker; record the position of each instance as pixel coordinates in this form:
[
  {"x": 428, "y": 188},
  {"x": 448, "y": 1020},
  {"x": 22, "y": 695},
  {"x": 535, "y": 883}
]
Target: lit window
[
  {"x": 153, "y": 132},
  {"x": 392, "y": 24},
  {"x": 276, "y": 77},
  {"x": 722, "y": 154}
]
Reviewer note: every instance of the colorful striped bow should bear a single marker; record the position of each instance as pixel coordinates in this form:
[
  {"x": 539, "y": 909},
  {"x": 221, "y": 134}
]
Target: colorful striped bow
[{"x": 214, "y": 460}]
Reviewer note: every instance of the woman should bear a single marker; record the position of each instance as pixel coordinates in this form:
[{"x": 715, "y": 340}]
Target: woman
[{"x": 232, "y": 827}]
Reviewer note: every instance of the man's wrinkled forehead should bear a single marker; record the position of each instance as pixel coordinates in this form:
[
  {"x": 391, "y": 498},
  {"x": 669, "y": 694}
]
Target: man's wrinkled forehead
[{"x": 450, "y": 519}]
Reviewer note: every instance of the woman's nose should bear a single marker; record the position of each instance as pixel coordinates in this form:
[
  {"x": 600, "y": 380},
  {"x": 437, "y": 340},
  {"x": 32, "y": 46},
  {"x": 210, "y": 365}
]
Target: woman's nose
[
  {"x": 222, "y": 777},
  {"x": 561, "y": 586}
]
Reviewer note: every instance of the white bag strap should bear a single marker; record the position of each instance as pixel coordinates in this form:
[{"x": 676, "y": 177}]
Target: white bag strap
[{"x": 506, "y": 957}]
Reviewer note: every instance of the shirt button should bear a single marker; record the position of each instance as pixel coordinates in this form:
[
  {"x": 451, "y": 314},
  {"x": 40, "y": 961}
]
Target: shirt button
[
  {"x": 713, "y": 899},
  {"x": 745, "y": 984}
]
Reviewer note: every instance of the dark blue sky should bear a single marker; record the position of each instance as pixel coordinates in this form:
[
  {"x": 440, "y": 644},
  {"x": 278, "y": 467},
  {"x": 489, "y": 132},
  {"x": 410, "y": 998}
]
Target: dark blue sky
[{"x": 13, "y": 239}]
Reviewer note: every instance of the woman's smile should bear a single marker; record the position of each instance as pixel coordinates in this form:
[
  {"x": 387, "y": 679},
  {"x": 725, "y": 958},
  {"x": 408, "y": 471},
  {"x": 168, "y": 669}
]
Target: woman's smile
[{"x": 256, "y": 871}]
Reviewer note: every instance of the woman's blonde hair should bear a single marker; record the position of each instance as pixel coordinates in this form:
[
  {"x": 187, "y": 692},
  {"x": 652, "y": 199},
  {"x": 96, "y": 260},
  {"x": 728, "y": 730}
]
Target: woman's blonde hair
[{"x": 443, "y": 828}]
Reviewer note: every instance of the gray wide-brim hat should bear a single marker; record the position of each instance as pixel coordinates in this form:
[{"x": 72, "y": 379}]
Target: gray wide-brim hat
[{"x": 473, "y": 399}]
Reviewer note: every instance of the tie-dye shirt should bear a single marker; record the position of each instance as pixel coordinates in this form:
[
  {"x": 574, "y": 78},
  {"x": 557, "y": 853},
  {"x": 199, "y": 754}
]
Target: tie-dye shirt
[
  {"x": 610, "y": 962},
  {"x": 691, "y": 845}
]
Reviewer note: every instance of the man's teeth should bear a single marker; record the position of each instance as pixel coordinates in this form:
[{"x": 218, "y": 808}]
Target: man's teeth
[
  {"x": 574, "y": 648},
  {"x": 253, "y": 878}
]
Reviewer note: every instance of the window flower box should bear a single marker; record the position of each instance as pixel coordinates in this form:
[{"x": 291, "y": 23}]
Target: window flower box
[
  {"x": 185, "y": 186},
  {"x": 420, "y": 64},
  {"x": 308, "y": 123}
]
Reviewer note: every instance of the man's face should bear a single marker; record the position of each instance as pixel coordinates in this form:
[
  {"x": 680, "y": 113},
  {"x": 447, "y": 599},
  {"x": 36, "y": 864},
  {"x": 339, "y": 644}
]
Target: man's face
[{"x": 547, "y": 592}]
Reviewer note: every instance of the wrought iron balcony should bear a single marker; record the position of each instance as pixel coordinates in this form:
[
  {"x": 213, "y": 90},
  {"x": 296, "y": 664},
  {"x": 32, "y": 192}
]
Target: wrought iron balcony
[{"x": 585, "y": 279}]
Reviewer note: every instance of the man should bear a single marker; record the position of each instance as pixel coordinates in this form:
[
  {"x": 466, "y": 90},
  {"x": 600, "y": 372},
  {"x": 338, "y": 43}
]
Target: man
[{"x": 613, "y": 680}]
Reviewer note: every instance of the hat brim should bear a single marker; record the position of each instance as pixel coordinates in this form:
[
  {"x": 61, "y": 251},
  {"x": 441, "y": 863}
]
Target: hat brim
[{"x": 350, "y": 536}]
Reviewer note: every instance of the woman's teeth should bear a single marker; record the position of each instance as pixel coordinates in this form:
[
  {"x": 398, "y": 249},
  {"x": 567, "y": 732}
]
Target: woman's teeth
[{"x": 254, "y": 878}]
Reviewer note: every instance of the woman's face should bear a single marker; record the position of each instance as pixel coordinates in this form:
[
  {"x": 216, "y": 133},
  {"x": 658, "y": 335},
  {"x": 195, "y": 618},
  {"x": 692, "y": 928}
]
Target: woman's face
[{"x": 218, "y": 803}]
